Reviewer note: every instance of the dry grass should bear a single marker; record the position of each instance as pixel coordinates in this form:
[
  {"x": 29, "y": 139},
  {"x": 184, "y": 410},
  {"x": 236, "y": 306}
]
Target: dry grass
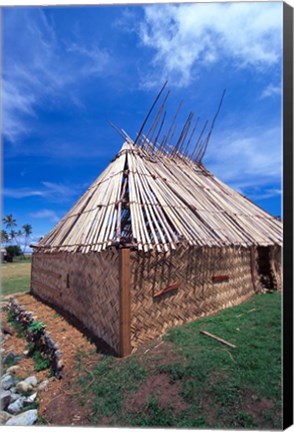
[{"x": 15, "y": 277}]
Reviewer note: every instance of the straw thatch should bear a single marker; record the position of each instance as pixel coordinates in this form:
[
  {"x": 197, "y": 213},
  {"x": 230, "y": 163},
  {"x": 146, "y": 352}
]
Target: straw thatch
[{"x": 159, "y": 203}]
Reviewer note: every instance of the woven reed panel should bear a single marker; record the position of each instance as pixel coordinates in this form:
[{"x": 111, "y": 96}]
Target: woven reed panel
[
  {"x": 276, "y": 267},
  {"x": 197, "y": 295},
  {"x": 85, "y": 285}
]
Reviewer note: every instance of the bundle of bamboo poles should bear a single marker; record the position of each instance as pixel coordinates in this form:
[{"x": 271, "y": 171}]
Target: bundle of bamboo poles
[{"x": 157, "y": 142}]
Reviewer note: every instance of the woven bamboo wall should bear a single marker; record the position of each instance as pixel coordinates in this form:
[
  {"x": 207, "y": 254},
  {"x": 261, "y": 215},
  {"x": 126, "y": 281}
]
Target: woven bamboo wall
[
  {"x": 197, "y": 295},
  {"x": 203, "y": 281},
  {"x": 85, "y": 285}
]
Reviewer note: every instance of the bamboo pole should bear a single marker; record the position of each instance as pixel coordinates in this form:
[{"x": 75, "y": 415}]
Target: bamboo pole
[{"x": 218, "y": 338}]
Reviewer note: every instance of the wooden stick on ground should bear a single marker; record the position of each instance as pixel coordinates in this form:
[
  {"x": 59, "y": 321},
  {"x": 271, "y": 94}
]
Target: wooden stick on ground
[{"x": 218, "y": 339}]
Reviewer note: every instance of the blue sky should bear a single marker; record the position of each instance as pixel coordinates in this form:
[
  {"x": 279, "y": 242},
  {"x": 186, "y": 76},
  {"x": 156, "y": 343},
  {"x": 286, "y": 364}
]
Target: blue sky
[{"x": 67, "y": 70}]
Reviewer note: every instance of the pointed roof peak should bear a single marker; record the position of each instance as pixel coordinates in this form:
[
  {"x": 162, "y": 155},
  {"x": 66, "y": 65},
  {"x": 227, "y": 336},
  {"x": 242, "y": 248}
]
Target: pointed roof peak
[{"x": 126, "y": 146}]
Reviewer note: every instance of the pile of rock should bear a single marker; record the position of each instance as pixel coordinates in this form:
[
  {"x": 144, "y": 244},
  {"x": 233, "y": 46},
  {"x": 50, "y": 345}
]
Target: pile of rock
[
  {"x": 38, "y": 338},
  {"x": 19, "y": 398}
]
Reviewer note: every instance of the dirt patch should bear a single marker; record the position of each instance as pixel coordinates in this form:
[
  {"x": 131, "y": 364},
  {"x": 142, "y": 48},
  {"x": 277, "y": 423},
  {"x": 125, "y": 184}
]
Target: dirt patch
[
  {"x": 209, "y": 408},
  {"x": 61, "y": 406},
  {"x": 257, "y": 407},
  {"x": 166, "y": 391},
  {"x": 158, "y": 353},
  {"x": 217, "y": 376},
  {"x": 59, "y": 403}
]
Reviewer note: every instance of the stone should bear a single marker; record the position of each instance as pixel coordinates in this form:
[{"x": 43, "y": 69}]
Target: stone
[
  {"x": 27, "y": 418},
  {"x": 13, "y": 370},
  {"x": 26, "y": 352},
  {"x": 60, "y": 364},
  {"x": 31, "y": 399},
  {"x": 43, "y": 385},
  {"x": 4, "y": 416},
  {"x": 24, "y": 387},
  {"x": 16, "y": 406},
  {"x": 14, "y": 396},
  {"x": 9, "y": 358},
  {"x": 5, "y": 398},
  {"x": 32, "y": 380},
  {"x": 7, "y": 381}
]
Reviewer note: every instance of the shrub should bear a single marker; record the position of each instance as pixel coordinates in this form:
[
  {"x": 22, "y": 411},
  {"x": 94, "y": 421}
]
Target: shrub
[{"x": 13, "y": 251}]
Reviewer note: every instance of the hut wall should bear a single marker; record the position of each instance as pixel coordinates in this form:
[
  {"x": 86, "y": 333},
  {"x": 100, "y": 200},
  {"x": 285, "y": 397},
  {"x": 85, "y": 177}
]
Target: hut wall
[
  {"x": 276, "y": 266},
  {"x": 86, "y": 286},
  {"x": 201, "y": 281}
]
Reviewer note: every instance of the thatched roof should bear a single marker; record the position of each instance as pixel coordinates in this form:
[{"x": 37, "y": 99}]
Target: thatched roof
[{"x": 146, "y": 199}]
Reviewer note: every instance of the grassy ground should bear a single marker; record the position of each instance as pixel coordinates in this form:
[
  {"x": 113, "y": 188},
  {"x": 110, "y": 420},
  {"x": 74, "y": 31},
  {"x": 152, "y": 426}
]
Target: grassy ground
[
  {"x": 191, "y": 380},
  {"x": 15, "y": 276},
  {"x": 188, "y": 380}
]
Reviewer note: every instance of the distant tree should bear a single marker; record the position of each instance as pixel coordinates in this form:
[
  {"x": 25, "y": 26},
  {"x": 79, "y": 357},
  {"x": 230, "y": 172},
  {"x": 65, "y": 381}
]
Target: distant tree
[
  {"x": 13, "y": 251},
  {"x": 4, "y": 237},
  {"x": 9, "y": 221},
  {"x": 18, "y": 236},
  {"x": 11, "y": 236},
  {"x": 27, "y": 232}
]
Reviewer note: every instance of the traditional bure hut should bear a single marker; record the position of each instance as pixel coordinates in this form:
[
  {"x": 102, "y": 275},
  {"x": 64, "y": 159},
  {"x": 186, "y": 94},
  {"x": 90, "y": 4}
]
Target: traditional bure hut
[{"x": 156, "y": 241}]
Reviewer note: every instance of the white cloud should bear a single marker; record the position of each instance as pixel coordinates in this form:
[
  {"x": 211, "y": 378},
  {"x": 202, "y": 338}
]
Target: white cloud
[
  {"x": 96, "y": 59},
  {"x": 45, "y": 214},
  {"x": 39, "y": 69},
  {"x": 271, "y": 91},
  {"x": 59, "y": 189},
  {"x": 55, "y": 192},
  {"x": 21, "y": 192},
  {"x": 269, "y": 193},
  {"x": 186, "y": 37},
  {"x": 15, "y": 103},
  {"x": 248, "y": 160}
]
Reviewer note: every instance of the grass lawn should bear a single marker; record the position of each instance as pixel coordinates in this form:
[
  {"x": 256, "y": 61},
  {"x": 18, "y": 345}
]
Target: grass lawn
[
  {"x": 190, "y": 380},
  {"x": 16, "y": 276}
]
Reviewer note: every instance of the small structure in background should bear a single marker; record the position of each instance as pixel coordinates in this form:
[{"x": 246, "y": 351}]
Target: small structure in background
[
  {"x": 156, "y": 241},
  {"x": 3, "y": 254}
]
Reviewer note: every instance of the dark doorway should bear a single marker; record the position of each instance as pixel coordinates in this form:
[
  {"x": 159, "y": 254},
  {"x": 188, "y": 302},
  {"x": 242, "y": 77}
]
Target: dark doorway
[{"x": 264, "y": 267}]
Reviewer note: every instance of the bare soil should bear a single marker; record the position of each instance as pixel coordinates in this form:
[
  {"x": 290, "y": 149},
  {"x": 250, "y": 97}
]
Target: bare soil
[
  {"x": 58, "y": 403},
  {"x": 160, "y": 386}
]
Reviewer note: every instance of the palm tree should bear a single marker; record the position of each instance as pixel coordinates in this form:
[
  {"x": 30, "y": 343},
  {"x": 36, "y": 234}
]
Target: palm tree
[
  {"x": 12, "y": 235},
  {"x": 9, "y": 221},
  {"x": 18, "y": 236},
  {"x": 4, "y": 236},
  {"x": 27, "y": 232}
]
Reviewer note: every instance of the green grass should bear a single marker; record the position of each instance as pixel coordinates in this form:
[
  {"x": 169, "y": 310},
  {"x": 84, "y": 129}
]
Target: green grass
[
  {"x": 220, "y": 387},
  {"x": 15, "y": 276},
  {"x": 108, "y": 380},
  {"x": 40, "y": 362},
  {"x": 235, "y": 378},
  {"x": 17, "y": 326}
]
